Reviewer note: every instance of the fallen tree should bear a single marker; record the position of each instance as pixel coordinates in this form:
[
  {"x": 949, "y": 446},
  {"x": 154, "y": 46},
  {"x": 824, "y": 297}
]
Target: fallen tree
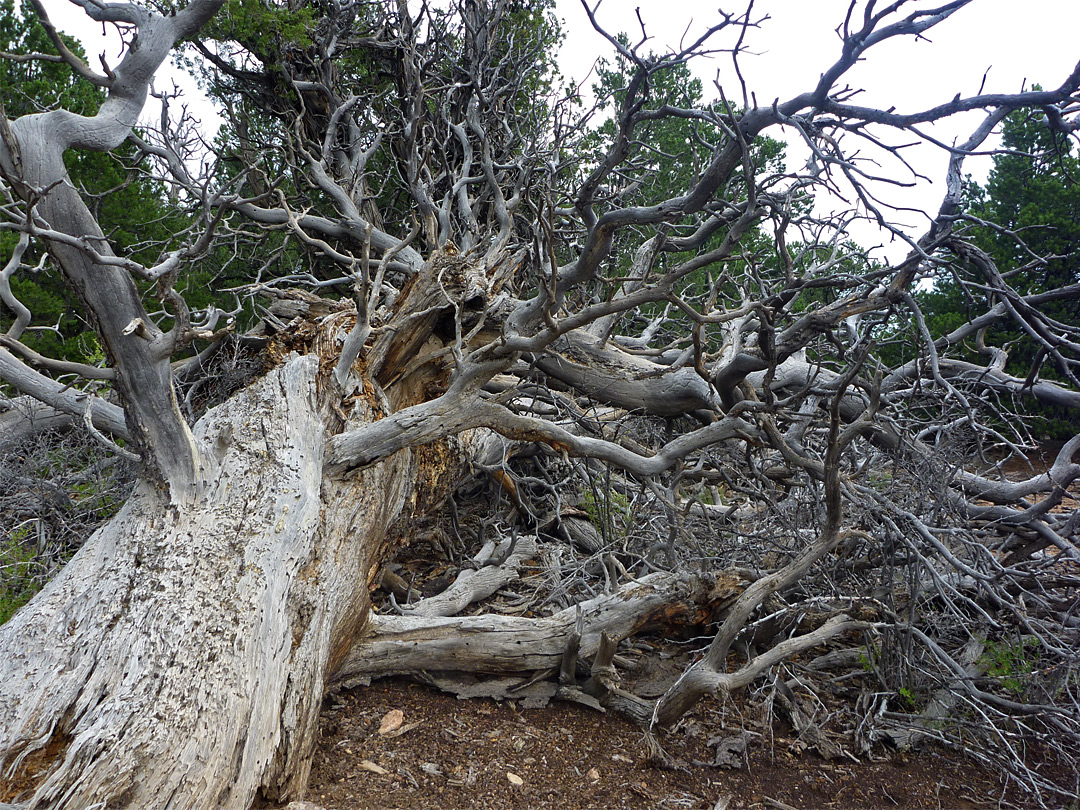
[{"x": 500, "y": 296}]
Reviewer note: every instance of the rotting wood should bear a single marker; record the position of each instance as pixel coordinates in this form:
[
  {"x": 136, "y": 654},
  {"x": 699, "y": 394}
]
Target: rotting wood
[{"x": 393, "y": 645}]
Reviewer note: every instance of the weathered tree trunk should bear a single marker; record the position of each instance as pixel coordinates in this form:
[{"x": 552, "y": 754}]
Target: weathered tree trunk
[
  {"x": 32, "y": 163},
  {"x": 179, "y": 659}
]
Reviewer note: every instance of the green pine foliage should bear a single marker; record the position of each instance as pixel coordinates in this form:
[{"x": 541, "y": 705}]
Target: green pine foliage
[
  {"x": 1033, "y": 191},
  {"x": 1032, "y": 197},
  {"x": 133, "y": 210},
  {"x": 36, "y": 86}
]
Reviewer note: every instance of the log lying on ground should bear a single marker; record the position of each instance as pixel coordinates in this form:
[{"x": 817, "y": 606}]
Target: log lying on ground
[
  {"x": 398, "y": 645},
  {"x": 498, "y": 566}
]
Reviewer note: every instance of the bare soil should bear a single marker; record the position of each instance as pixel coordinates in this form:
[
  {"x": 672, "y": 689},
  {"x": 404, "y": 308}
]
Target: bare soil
[{"x": 450, "y": 753}]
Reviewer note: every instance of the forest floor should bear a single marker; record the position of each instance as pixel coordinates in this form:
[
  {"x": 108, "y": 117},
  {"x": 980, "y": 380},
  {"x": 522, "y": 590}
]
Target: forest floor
[{"x": 450, "y": 753}]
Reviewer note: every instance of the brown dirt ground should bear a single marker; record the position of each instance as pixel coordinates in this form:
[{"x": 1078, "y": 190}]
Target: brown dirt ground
[{"x": 458, "y": 754}]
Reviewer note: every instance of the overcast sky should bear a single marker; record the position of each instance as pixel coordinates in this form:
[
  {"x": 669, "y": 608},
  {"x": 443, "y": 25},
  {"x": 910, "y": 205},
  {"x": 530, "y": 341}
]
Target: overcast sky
[
  {"x": 1014, "y": 44},
  {"x": 1037, "y": 40}
]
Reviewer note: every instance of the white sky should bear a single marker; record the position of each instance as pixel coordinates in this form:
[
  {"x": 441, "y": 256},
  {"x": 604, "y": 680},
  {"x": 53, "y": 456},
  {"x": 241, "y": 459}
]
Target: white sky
[{"x": 1014, "y": 43}]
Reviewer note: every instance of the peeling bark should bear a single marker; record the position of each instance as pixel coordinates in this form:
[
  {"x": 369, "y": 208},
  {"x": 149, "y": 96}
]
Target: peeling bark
[{"x": 170, "y": 619}]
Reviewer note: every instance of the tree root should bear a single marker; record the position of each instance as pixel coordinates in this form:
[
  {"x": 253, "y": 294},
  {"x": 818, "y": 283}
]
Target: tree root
[{"x": 502, "y": 645}]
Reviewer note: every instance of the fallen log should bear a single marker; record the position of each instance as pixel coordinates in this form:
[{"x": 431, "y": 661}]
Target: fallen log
[{"x": 494, "y": 644}]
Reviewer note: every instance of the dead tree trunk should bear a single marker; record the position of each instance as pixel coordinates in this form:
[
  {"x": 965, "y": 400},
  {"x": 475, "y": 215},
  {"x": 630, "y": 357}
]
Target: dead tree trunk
[
  {"x": 239, "y": 601},
  {"x": 510, "y": 644},
  {"x": 172, "y": 618}
]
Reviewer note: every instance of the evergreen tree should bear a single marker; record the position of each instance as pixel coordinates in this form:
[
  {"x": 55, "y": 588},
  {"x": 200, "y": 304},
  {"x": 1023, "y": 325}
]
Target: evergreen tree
[
  {"x": 129, "y": 206},
  {"x": 1027, "y": 220},
  {"x": 1033, "y": 198}
]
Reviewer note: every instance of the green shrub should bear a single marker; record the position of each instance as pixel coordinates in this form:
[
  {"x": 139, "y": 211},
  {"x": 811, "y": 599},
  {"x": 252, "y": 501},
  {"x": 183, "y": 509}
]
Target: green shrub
[
  {"x": 1011, "y": 664},
  {"x": 17, "y": 564}
]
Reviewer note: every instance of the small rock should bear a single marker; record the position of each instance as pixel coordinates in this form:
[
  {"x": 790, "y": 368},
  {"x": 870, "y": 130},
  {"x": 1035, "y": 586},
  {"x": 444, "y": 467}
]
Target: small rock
[
  {"x": 593, "y": 774},
  {"x": 514, "y": 779},
  {"x": 368, "y": 765},
  {"x": 391, "y": 721}
]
